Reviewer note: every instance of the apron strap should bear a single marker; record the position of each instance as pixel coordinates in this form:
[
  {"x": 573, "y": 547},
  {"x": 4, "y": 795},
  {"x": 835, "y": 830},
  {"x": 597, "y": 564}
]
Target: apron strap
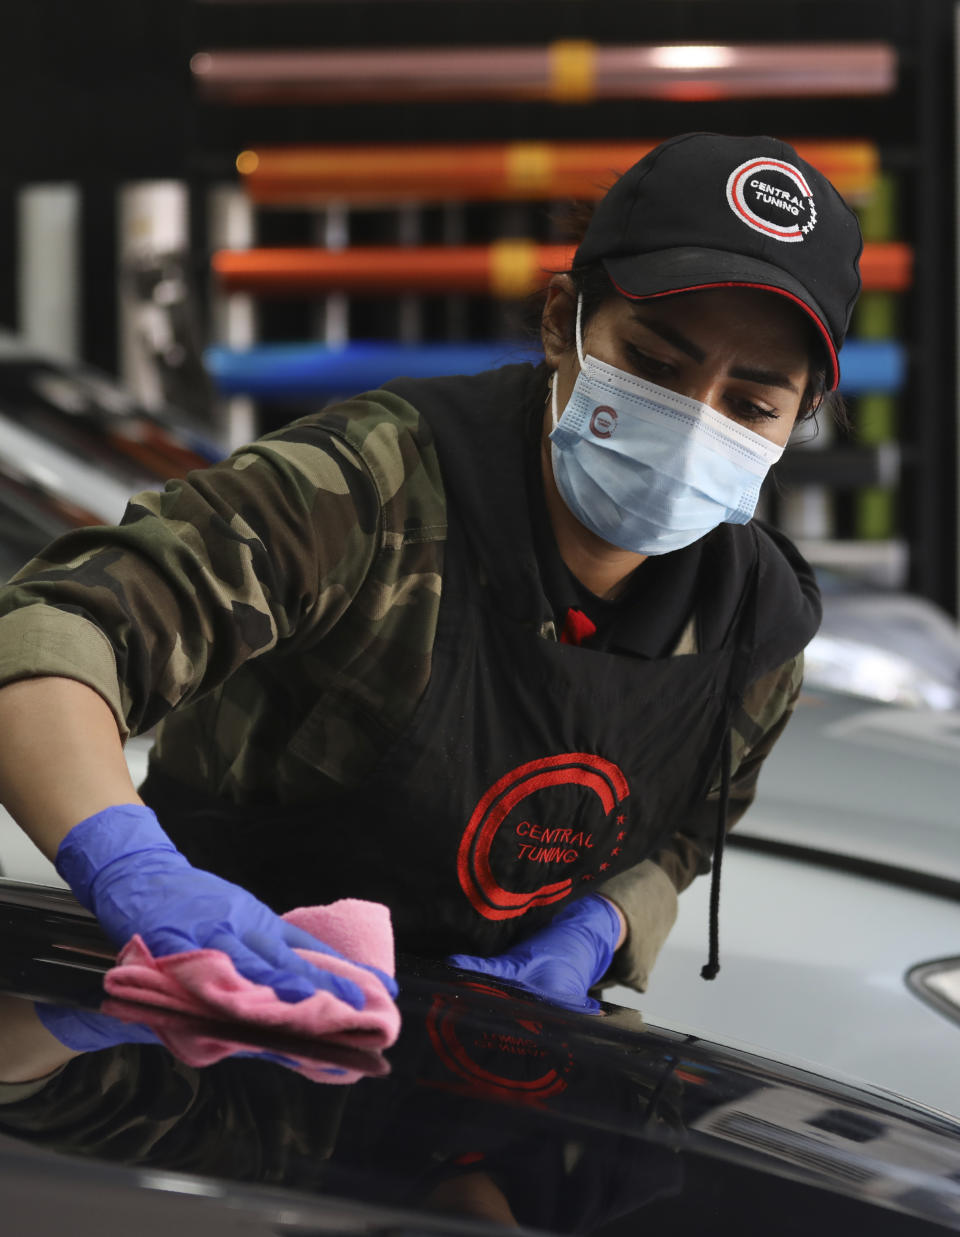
[
  {"x": 737, "y": 684},
  {"x": 712, "y": 967}
]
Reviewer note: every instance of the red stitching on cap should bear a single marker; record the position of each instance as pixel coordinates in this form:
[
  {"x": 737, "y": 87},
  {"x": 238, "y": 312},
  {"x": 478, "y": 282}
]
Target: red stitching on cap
[{"x": 764, "y": 287}]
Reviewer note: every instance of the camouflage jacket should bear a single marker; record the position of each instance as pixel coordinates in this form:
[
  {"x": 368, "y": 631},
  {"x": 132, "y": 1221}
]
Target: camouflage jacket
[{"x": 275, "y": 615}]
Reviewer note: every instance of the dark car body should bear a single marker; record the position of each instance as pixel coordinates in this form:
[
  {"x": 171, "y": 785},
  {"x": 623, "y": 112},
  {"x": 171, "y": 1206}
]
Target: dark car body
[{"x": 498, "y": 1110}]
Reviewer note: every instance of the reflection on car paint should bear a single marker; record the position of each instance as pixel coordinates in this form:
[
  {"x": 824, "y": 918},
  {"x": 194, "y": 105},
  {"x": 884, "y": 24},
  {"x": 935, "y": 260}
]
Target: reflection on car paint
[
  {"x": 804, "y": 1131},
  {"x": 646, "y": 1127}
]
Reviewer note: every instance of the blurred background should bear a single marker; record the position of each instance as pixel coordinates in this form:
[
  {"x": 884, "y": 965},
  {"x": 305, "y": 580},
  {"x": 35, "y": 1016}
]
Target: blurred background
[{"x": 242, "y": 209}]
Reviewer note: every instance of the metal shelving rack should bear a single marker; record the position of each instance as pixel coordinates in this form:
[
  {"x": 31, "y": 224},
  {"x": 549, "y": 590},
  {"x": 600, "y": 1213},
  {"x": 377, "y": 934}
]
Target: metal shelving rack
[{"x": 120, "y": 107}]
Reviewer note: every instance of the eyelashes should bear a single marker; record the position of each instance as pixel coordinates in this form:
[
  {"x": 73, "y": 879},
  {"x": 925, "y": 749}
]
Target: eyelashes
[{"x": 753, "y": 412}]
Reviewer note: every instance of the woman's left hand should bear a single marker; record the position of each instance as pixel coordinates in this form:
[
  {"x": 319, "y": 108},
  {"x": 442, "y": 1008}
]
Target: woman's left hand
[{"x": 565, "y": 959}]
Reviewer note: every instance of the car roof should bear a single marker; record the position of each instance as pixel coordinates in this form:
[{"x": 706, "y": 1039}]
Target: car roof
[{"x": 861, "y": 782}]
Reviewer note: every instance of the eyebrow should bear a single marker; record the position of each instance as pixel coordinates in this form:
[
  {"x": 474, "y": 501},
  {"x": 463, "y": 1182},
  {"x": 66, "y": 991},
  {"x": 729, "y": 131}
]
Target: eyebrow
[
  {"x": 670, "y": 334},
  {"x": 765, "y": 377}
]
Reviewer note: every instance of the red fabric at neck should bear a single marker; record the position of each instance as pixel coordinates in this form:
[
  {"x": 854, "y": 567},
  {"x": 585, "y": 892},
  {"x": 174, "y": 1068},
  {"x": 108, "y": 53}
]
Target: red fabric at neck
[{"x": 577, "y": 628}]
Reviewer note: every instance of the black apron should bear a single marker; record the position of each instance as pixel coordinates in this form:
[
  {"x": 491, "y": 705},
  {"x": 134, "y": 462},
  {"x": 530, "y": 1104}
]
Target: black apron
[{"x": 530, "y": 772}]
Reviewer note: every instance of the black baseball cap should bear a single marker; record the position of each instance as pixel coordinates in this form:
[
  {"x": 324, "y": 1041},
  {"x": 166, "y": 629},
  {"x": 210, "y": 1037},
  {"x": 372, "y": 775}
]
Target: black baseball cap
[{"x": 705, "y": 210}]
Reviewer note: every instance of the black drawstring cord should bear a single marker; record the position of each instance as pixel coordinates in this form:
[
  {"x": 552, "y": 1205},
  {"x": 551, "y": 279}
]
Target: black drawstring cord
[{"x": 712, "y": 968}]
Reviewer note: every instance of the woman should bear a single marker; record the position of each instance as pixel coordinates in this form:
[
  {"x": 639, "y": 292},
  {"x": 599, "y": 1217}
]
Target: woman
[{"x": 504, "y": 652}]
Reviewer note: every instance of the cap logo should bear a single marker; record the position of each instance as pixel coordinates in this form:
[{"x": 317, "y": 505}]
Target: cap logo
[{"x": 773, "y": 198}]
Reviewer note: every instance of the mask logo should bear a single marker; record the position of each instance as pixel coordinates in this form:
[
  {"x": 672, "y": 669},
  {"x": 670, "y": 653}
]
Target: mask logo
[
  {"x": 603, "y": 422},
  {"x": 773, "y": 198}
]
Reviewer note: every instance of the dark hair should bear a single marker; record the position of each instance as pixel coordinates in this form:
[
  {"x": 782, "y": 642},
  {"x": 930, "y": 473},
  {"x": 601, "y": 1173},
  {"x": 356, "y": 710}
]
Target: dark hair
[{"x": 592, "y": 282}]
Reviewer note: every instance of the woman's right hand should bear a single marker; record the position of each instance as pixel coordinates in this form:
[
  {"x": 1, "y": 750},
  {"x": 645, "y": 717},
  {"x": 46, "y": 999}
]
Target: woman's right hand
[{"x": 122, "y": 866}]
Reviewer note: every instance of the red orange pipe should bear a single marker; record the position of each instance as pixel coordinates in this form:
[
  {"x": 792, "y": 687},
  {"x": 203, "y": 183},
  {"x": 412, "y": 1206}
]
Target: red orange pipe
[
  {"x": 569, "y": 71},
  {"x": 506, "y": 269},
  {"x": 487, "y": 171}
]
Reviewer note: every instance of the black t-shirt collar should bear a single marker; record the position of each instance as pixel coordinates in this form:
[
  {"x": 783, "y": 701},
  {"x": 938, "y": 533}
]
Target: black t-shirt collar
[{"x": 647, "y": 618}]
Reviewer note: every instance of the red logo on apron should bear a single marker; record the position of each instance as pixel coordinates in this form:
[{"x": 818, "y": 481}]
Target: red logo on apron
[{"x": 554, "y": 847}]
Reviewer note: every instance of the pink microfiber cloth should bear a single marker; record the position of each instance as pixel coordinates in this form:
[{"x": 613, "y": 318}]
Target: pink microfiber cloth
[{"x": 204, "y": 983}]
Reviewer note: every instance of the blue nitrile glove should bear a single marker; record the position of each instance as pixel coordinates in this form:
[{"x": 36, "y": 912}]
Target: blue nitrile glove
[
  {"x": 122, "y": 866},
  {"x": 563, "y": 960},
  {"x": 86, "y": 1030}
]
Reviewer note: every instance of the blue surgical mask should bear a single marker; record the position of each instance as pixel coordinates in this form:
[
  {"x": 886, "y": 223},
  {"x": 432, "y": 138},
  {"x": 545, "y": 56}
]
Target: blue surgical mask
[{"x": 647, "y": 469}]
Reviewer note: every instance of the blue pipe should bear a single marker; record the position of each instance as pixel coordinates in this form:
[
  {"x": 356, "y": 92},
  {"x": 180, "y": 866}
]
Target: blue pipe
[
  {"x": 315, "y": 371},
  {"x": 303, "y": 371},
  {"x": 872, "y": 366}
]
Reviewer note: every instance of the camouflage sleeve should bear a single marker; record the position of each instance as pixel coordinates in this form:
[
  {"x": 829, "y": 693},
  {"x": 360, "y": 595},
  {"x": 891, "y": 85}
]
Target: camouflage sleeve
[
  {"x": 647, "y": 893},
  {"x": 15, "y": 1092},
  {"x": 269, "y": 546}
]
